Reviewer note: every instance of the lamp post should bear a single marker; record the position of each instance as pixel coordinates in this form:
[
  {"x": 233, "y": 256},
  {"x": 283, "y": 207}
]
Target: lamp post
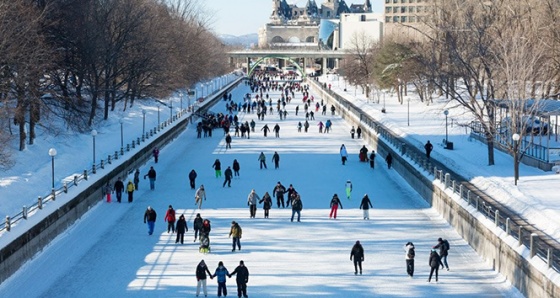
[
  {"x": 143, "y": 123},
  {"x": 181, "y": 97},
  {"x": 121, "y": 122},
  {"x": 170, "y": 111},
  {"x": 93, "y": 134},
  {"x": 515, "y": 138},
  {"x": 446, "y": 112},
  {"x": 408, "y": 111},
  {"x": 52, "y": 154},
  {"x": 158, "y": 126}
]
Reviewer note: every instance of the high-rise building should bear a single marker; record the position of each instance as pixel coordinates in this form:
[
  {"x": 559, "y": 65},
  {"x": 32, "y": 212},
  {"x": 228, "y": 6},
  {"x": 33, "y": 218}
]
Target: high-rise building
[{"x": 404, "y": 18}]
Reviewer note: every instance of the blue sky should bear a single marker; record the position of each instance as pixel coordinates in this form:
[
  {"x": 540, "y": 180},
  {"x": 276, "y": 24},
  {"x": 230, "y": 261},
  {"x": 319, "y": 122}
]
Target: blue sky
[{"x": 239, "y": 17}]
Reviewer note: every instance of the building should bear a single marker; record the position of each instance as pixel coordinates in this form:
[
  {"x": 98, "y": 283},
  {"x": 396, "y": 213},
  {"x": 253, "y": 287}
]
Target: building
[{"x": 403, "y": 18}]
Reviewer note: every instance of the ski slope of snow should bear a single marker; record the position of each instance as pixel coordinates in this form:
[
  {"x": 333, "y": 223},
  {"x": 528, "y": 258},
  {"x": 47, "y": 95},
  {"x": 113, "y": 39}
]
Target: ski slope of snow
[{"x": 108, "y": 252}]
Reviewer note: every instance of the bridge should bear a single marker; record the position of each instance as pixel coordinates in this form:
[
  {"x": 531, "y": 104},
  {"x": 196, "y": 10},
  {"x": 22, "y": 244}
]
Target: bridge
[{"x": 292, "y": 55}]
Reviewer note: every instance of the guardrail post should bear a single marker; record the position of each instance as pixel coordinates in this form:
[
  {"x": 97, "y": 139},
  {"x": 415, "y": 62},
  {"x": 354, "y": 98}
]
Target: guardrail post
[
  {"x": 520, "y": 240},
  {"x": 128, "y": 147},
  {"x": 469, "y": 196},
  {"x": 138, "y": 140},
  {"x": 447, "y": 180},
  {"x": 24, "y": 212},
  {"x": 142, "y": 138},
  {"x": 497, "y": 218},
  {"x": 53, "y": 194},
  {"x": 102, "y": 164},
  {"x": 85, "y": 175},
  {"x": 93, "y": 169},
  {"x": 460, "y": 190},
  {"x": 151, "y": 132},
  {"x": 507, "y": 226},
  {"x": 133, "y": 144},
  {"x": 8, "y": 223},
  {"x": 65, "y": 187},
  {"x": 116, "y": 155},
  {"x": 435, "y": 171},
  {"x": 122, "y": 150},
  {"x": 40, "y": 203},
  {"x": 549, "y": 257},
  {"x": 109, "y": 159},
  {"x": 533, "y": 248},
  {"x": 75, "y": 180}
]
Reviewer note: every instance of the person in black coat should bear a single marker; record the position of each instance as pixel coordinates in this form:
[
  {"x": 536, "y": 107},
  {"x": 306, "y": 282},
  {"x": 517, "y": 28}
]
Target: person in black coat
[
  {"x": 276, "y": 160},
  {"x": 365, "y": 205},
  {"x": 228, "y": 141},
  {"x": 236, "y": 167},
  {"x": 267, "y": 203},
  {"x": 434, "y": 262},
  {"x": 428, "y": 147},
  {"x": 227, "y": 175},
  {"x": 242, "y": 279},
  {"x": 357, "y": 255},
  {"x": 443, "y": 246},
  {"x": 201, "y": 271},
  {"x": 118, "y": 188},
  {"x": 197, "y": 226},
  {"x": 359, "y": 132},
  {"x": 389, "y": 160},
  {"x": 278, "y": 192},
  {"x": 192, "y": 179},
  {"x": 217, "y": 167},
  {"x": 181, "y": 229},
  {"x": 372, "y": 159}
]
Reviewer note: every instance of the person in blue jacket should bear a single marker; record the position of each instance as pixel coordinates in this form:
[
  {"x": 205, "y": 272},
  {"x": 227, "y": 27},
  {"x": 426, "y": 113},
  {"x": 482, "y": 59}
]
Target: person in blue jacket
[{"x": 221, "y": 272}]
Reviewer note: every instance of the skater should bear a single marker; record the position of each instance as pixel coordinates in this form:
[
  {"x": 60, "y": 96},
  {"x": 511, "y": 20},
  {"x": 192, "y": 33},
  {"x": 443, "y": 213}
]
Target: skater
[
  {"x": 335, "y": 203},
  {"x": 267, "y": 203},
  {"x": 130, "y": 190},
  {"x": 428, "y": 147},
  {"x": 291, "y": 195},
  {"x": 242, "y": 279},
  {"x": 348, "y": 189},
  {"x": 410, "y": 254},
  {"x": 236, "y": 168},
  {"x": 252, "y": 200},
  {"x": 235, "y": 233},
  {"x": 352, "y": 132},
  {"x": 262, "y": 160},
  {"x": 434, "y": 263},
  {"x": 228, "y": 174},
  {"x": 276, "y": 130},
  {"x": 306, "y": 126},
  {"x": 118, "y": 188},
  {"x": 297, "y": 206},
  {"x": 205, "y": 236},
  {"x": 152, "y": 177},
  {"x": 197, "y": 226},
  {"x": 201, "y": 271},
  {"x": 199, "y": 196},
  {"x": 333, "y": 110},
  {"x": 136, "y": 179},
  {"x": 181, "y": 228},
  {"x": 363, "y": 153},
  {"x": 221, "y": 272},
  {"x": 359, "y": 132},
  {"x": 228, "y": 141},
  {"x": 150, "y": 218},
  {"x": 372, "y": 159},
  {"x": 278, "y": 192},
  {"x": 365, "y": 205},
  {"x": 170, "y": 219},
  {"x": 357, "y": 255},
  {"x": 107, "y": 189},
  {"x": 299, "y": 126},
  {"x": 192, "y": 179},
  {"x": 443, "y": 246},
  {"x": 389, "y": 160},
  {"x": 265, "y": 129},
  {"x": 343, "y": 154},
  {"x": 276, "y": 160},
  {"x": 217, "y": 165},
  {"x": 155, "y": 152}
]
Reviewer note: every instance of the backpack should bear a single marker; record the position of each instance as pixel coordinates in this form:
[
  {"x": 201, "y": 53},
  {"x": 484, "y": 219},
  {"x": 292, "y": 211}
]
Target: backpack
[
  {"x": 446, "y": 244},
  {"x": 411, "y": 254}
]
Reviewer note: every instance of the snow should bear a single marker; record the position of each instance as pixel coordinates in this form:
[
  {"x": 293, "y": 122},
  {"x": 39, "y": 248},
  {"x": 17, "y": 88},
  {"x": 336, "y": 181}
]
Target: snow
[{"x": 108, "y": 252}]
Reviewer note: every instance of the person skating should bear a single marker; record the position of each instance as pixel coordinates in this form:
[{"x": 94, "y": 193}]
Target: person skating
[
  {"x": 236, "y": 168},
  {"x": 155, "y": 152},
  {"x": 136, "y": 179},
  {"x": 372, "y": 159},
  {"x": 228, "y": 141},
  {"x": 291, "y": 194},
  {"x": 306, "y": 126},
  {"x": 201, "y": 271},
  {"x": 197, "y": 226},
  {"x": 343, "y": 154},
  {"x": 107, "y": 190},
  {"x": 152, "y": 177},
  {"x": 228, "y": 174},
  {"x": 389, "y": 160},
  {"x": 428, "y": 147},
  {"x": 199, "y": 196},
  {"x": 118, "y": 188},
  {"x": 443, "y": 246},
  {"x": 235, "y": 233},
  {"x": 409, "y": 257},
  {"x": 359, "y": 132},
  {"x": 252, "y": 200},
  {"x": 181, "y": 228},
  {"x": 357, "y": 256},
  {"x": 217, "y": 165},
  {"x": 265, "y": 130},
  {"x": 130, "y": 190},
  {"x": 434, "y": 262},
  {"x": 352, "y": 132},
  {"x": 221, "y": 273},
  {"x": 363, "y": 153},
  {"x": 242, "y": 279},
  {"x": 365, "y": 205},
  {"x": 276, "y": 160},
  {"x": 335, "y": 203},
  {"x": 276, "y": 130},
  {"x": 192, "y": 179},
  {"x": 267, "y": 203},
  {"x": 170, "y": 219},
  {"x": 278, "y": 192},
  {"x": 262, "y": 160},
  {"x": 297, "y": 206},
  {"x": 348, "y": 189},
  {"x": 150, "y": 218}
]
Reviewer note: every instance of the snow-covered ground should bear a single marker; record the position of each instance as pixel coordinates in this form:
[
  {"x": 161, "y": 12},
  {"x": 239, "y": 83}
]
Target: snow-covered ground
[{"x": 108, "y": 253}]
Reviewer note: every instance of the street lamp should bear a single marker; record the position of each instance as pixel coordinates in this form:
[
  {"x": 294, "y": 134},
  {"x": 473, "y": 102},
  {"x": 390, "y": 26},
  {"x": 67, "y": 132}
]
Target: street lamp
[
  {"x": 181, "y": 97},
  {"x": 158, "y": 126},
  {"x": 143, "y": 123},
  {"x": 93, "y": 134},
  {"x": 515, "y": 138},
  {"x": 52, "y": 154},
  {"x": 446, "y": 112},
  {"x": 408, "y": 111},
  {"x": 170, "y": 111},
  {"x": 121, "y": 122}
]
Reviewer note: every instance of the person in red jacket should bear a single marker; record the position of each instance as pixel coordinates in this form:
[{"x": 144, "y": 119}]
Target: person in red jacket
[{"x": 170, "y": 219}]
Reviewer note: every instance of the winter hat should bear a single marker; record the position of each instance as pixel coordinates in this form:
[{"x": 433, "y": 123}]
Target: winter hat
[
  {"x": 439, "y": 239},
  {"x": 149, "y": 208},
  {"x": 220, "y": 263},
  {"x": 358, "y": 242},
  {"x": 170, "y": 206},
  {"x": 233, "y": 222}
]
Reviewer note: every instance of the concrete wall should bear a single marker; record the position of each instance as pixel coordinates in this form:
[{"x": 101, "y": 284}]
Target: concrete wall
[
  {"x": 505, "y": 259},
  {"x": 40, "y": 235}
]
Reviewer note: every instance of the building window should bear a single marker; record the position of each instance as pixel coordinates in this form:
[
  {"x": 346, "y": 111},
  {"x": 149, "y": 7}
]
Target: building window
[
  {"x": 403, "y": 1},
  {"x": 403, "y": 9},
  {"x": 412, "y": 19},
  {"x": 403, "y": 19},
  {"x": 388, "y": 9},
  {"x": 410, "y": 1},
  {"x": 363, "y": 18},
  {"x": 395, "y": 19},
  {"x": 395, "y": 1},
  {"x": 387, "y": 19},
  {"x": 387, "y": 1},
  {"x": 411, "y": 9},
  {"x": 395, "y": 9}
]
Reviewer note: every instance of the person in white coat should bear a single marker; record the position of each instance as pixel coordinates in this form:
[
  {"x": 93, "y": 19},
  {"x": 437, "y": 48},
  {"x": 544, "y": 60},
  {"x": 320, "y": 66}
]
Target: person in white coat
[
  {"x": 252, "y": 200},
  {"x": 409, "y": 257},
  {"x": 343, "y": 154},
  {"x": 199, "y": 196}
]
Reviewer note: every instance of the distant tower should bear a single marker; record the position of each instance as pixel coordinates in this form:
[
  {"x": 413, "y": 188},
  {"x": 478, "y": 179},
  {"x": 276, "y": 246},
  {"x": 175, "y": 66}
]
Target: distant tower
[
  {"x": 367, "y": 6},
  {"x": 330, "y": 9}
]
